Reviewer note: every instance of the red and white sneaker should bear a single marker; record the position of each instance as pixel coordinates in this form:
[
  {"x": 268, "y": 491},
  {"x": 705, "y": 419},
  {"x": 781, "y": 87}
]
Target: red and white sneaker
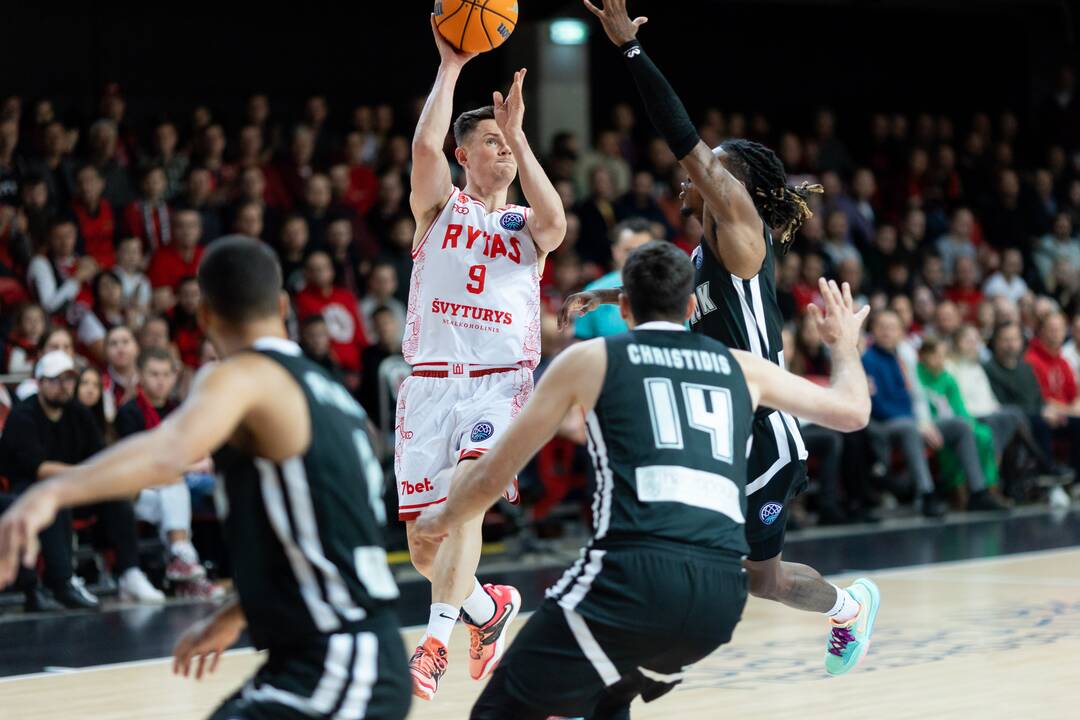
[
  {"x": 199, "y": 589},
  {"x": 487, "y": 642},
  {"x": 428, "y": 665},
  {"x": 179, "y": 570}
]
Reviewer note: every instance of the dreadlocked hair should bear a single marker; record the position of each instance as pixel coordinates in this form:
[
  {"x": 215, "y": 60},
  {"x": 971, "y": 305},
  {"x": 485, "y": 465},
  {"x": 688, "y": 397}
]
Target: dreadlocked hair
[{"x": 783, "y": 207}]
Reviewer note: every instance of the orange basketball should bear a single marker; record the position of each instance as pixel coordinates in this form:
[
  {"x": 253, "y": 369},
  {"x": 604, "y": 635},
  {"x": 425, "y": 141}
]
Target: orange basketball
[{"x": 476, "y": 25}]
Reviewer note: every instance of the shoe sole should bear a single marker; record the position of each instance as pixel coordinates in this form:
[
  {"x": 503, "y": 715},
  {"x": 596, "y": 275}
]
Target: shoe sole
[
  {"x": 500, "y": 643},
  {"x": 422, "y": 691},
  {"x": 875, "y": 603},
  {"x": 127, "y": 597}
]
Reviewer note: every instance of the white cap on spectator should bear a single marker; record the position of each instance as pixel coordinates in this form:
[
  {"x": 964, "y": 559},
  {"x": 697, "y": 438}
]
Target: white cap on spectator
[{"x": 53, "y": 365}]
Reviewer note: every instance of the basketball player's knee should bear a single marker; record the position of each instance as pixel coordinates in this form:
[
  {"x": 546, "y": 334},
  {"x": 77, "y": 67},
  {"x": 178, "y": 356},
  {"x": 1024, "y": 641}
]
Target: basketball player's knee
[
  {"x": 422, "y": 555},
  {"x": 422, "y": 562}
]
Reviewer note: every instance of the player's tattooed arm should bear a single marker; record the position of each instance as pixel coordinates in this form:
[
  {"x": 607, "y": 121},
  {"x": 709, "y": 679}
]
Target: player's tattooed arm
[
  {"x": 730, "y": 211},
  {"x": 845, "y": 404},
  {"x": 546, "y": 217},
  {"x": 574, "y": 379},
  {"x": 430, "y": 177},
  {"x": 585, "y": 302}
]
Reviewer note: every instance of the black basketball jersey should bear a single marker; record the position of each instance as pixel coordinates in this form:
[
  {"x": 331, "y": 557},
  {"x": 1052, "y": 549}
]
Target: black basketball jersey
[
  {"x": 305, "y": 535},
  {"x": 668, "y": 437},
  {"x": 744, "y": 315}
]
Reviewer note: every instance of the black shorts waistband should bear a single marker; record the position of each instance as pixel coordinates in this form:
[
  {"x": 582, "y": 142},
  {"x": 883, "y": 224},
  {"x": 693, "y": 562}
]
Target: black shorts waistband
[{"x": 720, "y": 556}]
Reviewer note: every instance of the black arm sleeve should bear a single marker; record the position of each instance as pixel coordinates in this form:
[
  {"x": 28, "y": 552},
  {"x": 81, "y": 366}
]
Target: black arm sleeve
[{"x": 666, "y": 111}]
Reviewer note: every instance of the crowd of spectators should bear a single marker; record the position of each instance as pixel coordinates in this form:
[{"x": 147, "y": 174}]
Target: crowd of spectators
[{"x": 960, "y": 232}]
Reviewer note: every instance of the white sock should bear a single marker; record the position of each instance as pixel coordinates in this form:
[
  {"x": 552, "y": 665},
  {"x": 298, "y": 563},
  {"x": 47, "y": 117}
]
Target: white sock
[
  {"x": 479, "y": 605},
  {"x": 441, "y": 622},
  {"x": 845, "y": 609}
]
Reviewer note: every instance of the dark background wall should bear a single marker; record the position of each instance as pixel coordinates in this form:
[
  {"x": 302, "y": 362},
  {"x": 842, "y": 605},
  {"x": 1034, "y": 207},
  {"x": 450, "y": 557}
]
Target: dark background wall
[{"x": 778, "y": 57}]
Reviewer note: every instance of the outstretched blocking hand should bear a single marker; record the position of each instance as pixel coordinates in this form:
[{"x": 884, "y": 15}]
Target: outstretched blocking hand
[
  {"x": 840, "y": 326},
  {"x": 449, "y": 55},
  {"x": 510, "y": 112},
  {"x": 617, "y": 24},
  {"x": 580, "y": 304}
]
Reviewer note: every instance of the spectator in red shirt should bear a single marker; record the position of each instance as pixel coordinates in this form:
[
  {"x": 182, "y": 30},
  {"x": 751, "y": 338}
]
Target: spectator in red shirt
[
  {"x": 340, "y": 309},
  {"x": 148, "y": 217},
  {"x": 363, "y": 183},
  {"x": 805, "y": 291},
  {"x": 1052, "y": 370},
  {"x": 181, "y": 258},
  {"x": 94, "y": 215},
  {"x": 185, "y": 325},
  {"x": 965, "y": 290}
]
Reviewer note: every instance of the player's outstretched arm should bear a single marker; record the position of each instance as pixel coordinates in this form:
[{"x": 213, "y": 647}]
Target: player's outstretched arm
[
  {"x": 585, "y": 302},
  {"x": 845, "y": 404},
  {"x": 547, "y": 219},
  {"x": 219, "y": 401},
  {"x": 430, "y": 178},
  {"x": 725, "y": 196},
  {"x": 574, "y": 378}
]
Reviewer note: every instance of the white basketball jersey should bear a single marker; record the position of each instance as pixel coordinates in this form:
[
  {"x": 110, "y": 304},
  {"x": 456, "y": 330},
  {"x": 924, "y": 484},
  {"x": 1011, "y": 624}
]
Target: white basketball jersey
[{"x": 474, "y": 297}]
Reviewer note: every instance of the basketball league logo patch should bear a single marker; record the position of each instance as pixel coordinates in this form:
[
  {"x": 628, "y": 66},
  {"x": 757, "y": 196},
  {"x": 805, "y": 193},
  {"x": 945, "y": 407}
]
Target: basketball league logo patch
[
  {"x": 482, "y": 431},
  {"x": 769, "y": 512},
  {"x": 512, "y": 221}
]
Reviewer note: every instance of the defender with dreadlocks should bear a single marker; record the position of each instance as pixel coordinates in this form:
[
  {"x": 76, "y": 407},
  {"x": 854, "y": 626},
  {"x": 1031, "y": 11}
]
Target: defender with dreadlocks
[{"x": 739, "y": 191}]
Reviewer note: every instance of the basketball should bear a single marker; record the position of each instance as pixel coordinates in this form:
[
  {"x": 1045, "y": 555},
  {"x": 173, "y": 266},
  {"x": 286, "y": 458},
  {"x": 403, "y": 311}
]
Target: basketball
[{"x": 476, "y": 25}]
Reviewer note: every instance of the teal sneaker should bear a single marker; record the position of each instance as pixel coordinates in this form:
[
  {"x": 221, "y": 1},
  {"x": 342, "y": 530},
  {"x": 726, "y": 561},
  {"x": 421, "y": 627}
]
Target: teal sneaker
[{"x": 848, "y": 643}]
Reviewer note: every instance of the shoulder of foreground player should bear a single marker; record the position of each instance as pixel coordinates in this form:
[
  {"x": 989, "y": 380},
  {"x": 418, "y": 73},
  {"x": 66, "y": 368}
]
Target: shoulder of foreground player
[{"x": 580, "y": 368}]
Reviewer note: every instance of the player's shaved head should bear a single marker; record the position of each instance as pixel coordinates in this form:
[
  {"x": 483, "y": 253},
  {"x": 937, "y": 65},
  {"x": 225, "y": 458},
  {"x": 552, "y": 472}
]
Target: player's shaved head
[
  {"x": 240, "y": 279},
  {"x": 658, "y": 279}
]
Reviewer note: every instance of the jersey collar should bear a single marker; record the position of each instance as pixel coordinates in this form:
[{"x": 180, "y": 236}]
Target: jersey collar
[
  {"x": 276, "y": 344},
  {"x": 661, "y": 325}
]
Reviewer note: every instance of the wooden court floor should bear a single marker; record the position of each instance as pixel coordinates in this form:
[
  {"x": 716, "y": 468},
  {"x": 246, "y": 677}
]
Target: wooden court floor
[{"x": 984, "y": 639}]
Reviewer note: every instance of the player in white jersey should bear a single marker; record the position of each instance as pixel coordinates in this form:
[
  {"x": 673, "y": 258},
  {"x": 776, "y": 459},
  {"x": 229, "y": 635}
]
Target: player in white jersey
[{"x": 473, "y": 337}]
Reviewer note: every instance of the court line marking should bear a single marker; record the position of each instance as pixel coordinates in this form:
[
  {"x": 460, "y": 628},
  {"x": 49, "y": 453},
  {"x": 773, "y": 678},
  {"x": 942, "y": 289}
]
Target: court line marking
[{"x": 896, "y": 571}]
